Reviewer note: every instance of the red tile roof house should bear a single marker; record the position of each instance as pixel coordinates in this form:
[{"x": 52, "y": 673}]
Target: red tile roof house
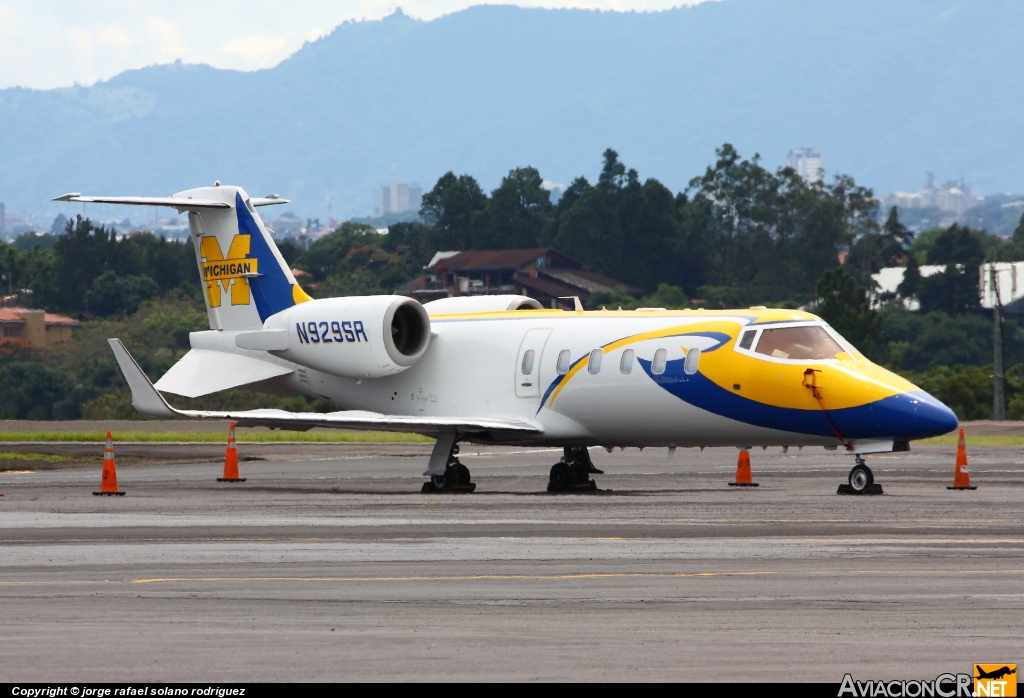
[
  {"x": 542, "y": 273},
  {"x": 34, "y": 328}
]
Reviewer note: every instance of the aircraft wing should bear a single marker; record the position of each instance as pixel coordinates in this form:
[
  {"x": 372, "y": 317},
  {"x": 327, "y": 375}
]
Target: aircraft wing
[{"x": 147, "y": 400}]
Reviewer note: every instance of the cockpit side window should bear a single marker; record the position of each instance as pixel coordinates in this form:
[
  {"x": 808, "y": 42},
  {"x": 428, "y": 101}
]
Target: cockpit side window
[
  {"x": 806, "y": 343},
  {"x": 747, "y": 339}
]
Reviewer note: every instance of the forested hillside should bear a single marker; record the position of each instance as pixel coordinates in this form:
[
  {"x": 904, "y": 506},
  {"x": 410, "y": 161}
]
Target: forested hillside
[{"x": 886, "y": 89}]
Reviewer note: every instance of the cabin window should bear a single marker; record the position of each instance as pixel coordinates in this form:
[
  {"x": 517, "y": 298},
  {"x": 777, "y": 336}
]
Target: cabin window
[
  {"x": 807, "y": 343},
  {"x": 626, "y": 362},
  {"x": 595, "y": 361},
  {"x": 660, "y": 359},
  {"x": 563, "y": 362},
  {"x": 692, "y": 359},
  {"x": 747, "y": 339},
  {"x": 528, "y": 361}
]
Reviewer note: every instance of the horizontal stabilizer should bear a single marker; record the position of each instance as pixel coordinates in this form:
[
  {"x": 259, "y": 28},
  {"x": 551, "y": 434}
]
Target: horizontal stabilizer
[
  {"x": 173, "y": 202},
  {"x": 144, "y": 201},
  {"x": 204, "y": 371},
  {"x": 147, "y": 400}
]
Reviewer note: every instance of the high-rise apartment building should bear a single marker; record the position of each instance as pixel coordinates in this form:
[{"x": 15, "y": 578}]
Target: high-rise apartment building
[
  {"x": 807, "y": 163},
  {"x": 397, "y": 198}
]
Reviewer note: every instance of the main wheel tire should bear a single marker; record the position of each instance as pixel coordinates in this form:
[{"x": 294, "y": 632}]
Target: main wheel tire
[
  {"x": 562, "y": 477},
  {"x": 440, "y": 482},
  {"x": 861, "y": 478},
  {"x": 461, "y": 474}
]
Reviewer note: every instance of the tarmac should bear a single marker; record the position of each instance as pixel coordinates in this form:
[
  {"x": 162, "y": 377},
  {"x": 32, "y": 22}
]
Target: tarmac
[{"x": 328, "y": 564}]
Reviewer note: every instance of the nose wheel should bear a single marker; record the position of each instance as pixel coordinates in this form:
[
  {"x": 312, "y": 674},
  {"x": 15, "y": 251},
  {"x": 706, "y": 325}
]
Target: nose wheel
[
  {"x": 572, "y": 473},
  {"x": 860, "y": 480}
]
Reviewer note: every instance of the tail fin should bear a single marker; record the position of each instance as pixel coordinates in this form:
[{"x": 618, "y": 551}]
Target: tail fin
[{"x": 245, "y": 279}]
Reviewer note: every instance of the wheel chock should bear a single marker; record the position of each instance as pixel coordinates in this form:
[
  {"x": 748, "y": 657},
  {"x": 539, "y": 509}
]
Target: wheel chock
[
  {"x": 428, "y": 488},
  {"x": 873, "y": 488},
  {"x": 576, "y": 487}
]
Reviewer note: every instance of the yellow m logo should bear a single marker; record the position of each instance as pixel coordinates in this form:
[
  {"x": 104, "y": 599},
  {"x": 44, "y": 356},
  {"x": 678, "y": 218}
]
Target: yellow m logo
[{"x": 222, "y": 273}]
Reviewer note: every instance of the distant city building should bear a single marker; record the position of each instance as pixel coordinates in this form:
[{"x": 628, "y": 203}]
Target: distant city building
[
  {"x": 3, "y": 218},
  {"x": 397, "y": 198},
  {"x": 807, "y": 163},
  {"x": 952, "y": 197},
  {"x": 554, "y": 191}
]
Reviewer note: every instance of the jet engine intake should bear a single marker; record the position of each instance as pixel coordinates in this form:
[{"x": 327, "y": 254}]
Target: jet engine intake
[{"x": 355, "y": 336}]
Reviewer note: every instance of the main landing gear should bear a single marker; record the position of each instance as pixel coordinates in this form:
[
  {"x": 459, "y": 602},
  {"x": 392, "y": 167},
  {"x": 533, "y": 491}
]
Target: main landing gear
[
  {"x": 861, "y": 480},
  {"x": 455, "y": 476},
  {"x": 572, "y": 473}
]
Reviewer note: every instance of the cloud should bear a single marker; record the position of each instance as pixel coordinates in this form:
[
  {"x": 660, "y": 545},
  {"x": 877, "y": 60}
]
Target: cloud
[
  {"x": 81, "y": 40},
  {"x": 166, "y": 36},
  {"x": 259, "y": 49},
  {"x": 116, "y": 37}
]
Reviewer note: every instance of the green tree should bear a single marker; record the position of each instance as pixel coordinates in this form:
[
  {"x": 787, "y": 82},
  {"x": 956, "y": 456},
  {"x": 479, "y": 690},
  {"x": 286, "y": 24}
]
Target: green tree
[
  {"x": 454, "y": 208},
  {"x": 1017, "y": 241},
  {"x": 111, "y": 294},
  {"x": 911, "y": 283},
  {"x": 955, "y": 289},
  {"x": 516, "y": 212},
  {"x": 846, "y": 307},
  {"x": 876, "y": 249},
  {"x": 326, "y": 254},
  {"x": 30, "y": 389},
  {"x": 668, "y": 297}
]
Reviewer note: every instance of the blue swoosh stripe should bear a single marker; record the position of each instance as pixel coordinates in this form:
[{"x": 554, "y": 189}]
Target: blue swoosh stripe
[
  {"x": 271, "y": 290},
  {"x": 719, "y": 337},
  {"x": 905, "y": 416}
]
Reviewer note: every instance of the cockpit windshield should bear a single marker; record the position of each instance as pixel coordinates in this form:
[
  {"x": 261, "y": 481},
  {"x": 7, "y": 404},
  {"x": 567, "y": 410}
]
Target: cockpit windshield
[{"x": 810, "y": 342}]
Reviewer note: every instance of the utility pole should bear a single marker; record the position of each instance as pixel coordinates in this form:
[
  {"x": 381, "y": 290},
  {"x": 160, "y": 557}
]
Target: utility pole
[{"x": 998, "y": 377}]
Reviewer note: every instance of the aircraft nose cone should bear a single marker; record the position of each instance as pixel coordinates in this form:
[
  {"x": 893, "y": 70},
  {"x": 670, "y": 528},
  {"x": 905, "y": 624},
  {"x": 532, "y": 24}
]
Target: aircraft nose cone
[
  {"x": 916, "y": 415},
  {"x": 934, "y": 417}
]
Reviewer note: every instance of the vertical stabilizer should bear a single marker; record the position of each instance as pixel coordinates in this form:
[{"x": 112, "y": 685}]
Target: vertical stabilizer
[{"x": 245, "y": 279}]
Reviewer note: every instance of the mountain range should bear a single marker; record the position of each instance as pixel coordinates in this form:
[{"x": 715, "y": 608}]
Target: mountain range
[{"x": 886, "y": 90}]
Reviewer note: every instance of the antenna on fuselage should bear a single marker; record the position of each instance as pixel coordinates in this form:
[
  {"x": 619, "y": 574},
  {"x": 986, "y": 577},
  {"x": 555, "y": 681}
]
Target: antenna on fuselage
[{"x": 577, "y": 306}]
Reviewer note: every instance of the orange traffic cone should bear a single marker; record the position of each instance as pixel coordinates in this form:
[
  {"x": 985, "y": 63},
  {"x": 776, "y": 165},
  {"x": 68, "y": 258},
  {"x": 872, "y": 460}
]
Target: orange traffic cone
[
  {"x": 108, "y": 481},
  {"x": 961, "y": 475},
  {"x": 743, "y": 477},
  {"x": 231, "y": 459}
]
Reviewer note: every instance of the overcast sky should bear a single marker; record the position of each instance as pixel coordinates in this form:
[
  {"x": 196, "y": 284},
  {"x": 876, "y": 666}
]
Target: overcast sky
[{"x": 55, "y": 43}]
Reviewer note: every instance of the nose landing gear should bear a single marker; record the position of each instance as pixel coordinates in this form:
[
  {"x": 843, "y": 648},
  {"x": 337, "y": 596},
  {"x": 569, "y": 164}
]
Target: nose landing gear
[
  {"x": 572, "y": 473},
  {"x": 861, "y": 480}
]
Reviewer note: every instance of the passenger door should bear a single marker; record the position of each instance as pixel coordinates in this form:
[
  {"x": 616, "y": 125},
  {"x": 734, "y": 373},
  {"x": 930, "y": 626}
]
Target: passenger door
[{"x": 528, "y": 362}]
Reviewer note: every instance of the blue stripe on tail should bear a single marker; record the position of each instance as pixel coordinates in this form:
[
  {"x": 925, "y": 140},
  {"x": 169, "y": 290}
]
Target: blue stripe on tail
[{"x": 272, "y": 291}]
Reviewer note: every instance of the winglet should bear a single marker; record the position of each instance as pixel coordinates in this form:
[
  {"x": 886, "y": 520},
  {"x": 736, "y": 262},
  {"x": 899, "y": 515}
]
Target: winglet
[{"x": 145, "y": 397}]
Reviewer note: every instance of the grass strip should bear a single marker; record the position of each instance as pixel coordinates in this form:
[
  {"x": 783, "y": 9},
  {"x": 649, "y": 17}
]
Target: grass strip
[
  {"x": 217, "y": 437},
  {"x": 951, "y": 440},
  {"x": 49, "y": 458}
]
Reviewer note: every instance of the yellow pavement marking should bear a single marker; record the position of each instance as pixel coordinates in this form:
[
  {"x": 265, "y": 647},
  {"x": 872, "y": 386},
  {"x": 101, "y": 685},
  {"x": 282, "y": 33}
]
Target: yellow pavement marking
[{"x": 456, "y": 578}]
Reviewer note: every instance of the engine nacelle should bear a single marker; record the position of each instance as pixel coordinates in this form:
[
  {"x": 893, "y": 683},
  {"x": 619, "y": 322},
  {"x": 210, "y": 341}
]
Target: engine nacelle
[{"x": 354, "y": 336}]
